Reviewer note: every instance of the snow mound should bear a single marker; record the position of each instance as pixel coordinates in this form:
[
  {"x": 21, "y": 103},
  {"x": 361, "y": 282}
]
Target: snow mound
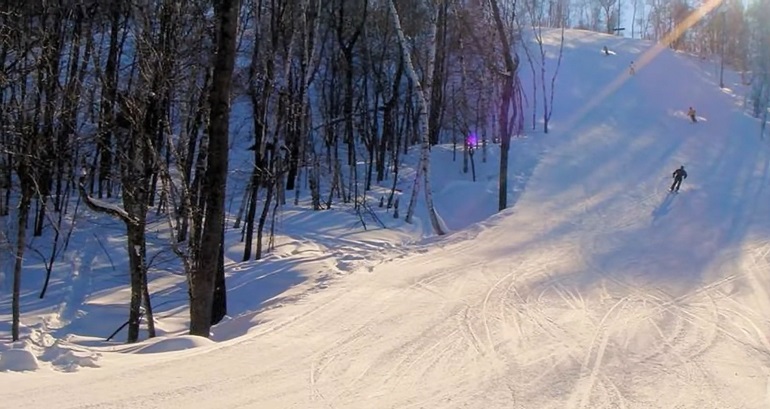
[
  {"x": 18, "y": 360},
  {"x": 175, "y": 344},
  {"x": 69, "y": 359}
]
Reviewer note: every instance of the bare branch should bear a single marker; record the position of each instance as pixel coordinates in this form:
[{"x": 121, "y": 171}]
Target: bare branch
[{"x": 102, "y": 206}]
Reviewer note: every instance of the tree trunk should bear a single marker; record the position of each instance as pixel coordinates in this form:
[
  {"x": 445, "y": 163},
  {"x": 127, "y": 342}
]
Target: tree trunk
[
  {"x": 251, "y": 213},
  {"x": 21, "y": 245},
  {"x": 198, "y": 123},
  {"x": 204, "y": 273},
  {"x": 439, "y": 75},
  {"x": 315, "y": 183},
  {"x": 219, "y": 308},
  {"x": 423, "y": 170},
  {"x": 148, "y": 314},
  {"x": 109, "y": 93},
  {"x": 263, "y": 217},
  {"x": 511, "y": 65},
  {"x": 389, "y": 121},
  {"x": 135, "y": 261}
]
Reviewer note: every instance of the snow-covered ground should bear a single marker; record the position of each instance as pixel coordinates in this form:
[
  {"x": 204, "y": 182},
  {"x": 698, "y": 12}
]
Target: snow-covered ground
[{"x": 597, "y": 289}]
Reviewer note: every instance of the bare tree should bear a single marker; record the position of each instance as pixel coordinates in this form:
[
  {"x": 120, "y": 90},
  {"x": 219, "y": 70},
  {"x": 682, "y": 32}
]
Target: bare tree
[
  {"x": 268, "y": 26},
  {"x": 203, "y": 280},
  {"x": 547, "y": 87},
  {"x": 759, "y": 96},
  {"x": 509, "y": 122},
  {"x": 26, "y": 181},
  {"x": 634, "y": 9},
  {"x": 438, "y": 66},
  {"x": 423, "y": 169},
  {"x": 138, "y": 114},
  {"x": 609, "y": 15}
]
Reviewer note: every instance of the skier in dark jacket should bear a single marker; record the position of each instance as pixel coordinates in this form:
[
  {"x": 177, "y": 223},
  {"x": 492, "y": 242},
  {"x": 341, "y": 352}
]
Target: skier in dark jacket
[
  {"x": 678, "y": 175},
  {"x": 691, "y": 114}
]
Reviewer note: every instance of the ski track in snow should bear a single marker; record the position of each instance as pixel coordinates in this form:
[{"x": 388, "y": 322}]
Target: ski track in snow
[{"x": 489, "y": 318}]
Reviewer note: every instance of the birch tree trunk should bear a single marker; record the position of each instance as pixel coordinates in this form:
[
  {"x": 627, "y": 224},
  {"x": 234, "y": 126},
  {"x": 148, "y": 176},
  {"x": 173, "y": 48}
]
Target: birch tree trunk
[{"x": 423, "y": 169}]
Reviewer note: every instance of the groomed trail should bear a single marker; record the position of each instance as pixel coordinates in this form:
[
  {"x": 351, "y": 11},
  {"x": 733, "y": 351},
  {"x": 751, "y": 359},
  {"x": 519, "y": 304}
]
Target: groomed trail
[{"x": 598, "y": 290}]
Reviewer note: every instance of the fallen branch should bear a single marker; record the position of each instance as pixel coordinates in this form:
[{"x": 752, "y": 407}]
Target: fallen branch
[{"x": 102, "y": 206}]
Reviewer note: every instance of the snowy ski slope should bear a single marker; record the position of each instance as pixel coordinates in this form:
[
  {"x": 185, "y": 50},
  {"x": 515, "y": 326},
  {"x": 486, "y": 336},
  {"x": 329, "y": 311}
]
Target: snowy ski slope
[{"x": 597, "y": 290}]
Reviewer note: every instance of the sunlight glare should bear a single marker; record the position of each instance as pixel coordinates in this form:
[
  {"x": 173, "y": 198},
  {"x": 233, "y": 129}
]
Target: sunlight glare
[{"x": 645, "y": 58}]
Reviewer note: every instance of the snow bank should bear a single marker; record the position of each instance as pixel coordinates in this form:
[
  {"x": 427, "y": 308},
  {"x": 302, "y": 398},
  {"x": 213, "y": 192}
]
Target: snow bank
[
  {"x": 69, "y": 358},
  {"x": 18, "y": 360},
  {"x": 174, "y": 344}
]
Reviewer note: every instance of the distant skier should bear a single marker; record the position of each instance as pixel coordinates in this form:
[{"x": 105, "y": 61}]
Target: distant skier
[
  {"x": 632, "y": 69},
  {"x": 691, "y": 114},
  {"x": 606, "y": 50},
  {"x": 678, "y": 175}
]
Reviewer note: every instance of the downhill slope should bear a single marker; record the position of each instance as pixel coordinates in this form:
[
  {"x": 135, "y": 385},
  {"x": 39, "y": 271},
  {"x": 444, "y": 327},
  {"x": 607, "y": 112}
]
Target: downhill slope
[{"x": 598, "y": 290}]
